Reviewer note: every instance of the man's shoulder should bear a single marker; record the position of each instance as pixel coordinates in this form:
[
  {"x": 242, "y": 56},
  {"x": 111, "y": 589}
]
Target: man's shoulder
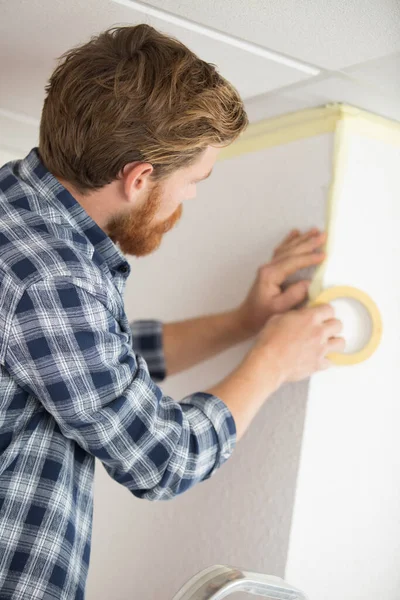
[
  {"x": 35, "y": 241},
  {"x": 32, "y": 249},
  {"x": 36, "y": 245}
]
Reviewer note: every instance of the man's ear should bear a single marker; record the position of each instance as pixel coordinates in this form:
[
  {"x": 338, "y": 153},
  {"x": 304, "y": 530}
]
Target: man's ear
[{"x": 136, "y": 178}]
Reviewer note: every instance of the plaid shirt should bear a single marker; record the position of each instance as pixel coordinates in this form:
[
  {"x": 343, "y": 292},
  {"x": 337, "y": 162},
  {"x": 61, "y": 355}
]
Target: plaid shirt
[{"x": 76, "y": 383}]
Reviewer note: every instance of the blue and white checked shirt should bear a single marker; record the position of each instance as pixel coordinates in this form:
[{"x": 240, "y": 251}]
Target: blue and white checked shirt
[{"x": 77, "y": 382}]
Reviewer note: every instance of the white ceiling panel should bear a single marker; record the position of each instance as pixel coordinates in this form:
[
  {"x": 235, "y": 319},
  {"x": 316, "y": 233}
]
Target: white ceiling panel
[
  {"x": 356, "y": 92},
  {"x": 382, "y": 74},
  {"x": 270, "y": 106},
  {"x": 34, "y": 32},
  {"x": 333, "y": 34}
]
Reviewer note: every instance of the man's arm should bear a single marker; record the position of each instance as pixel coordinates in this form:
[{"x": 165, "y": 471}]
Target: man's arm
[
  {"x": 67, "y": 349},
  {"x": 169, "y": 348},
  {"x": 179, "y": 346},
  {"x": 189, "y": 342}
]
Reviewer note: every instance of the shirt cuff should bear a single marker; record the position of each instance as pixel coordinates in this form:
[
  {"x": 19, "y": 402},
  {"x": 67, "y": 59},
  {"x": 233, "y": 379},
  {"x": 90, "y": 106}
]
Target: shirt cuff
[
  {"x": 223, "y": 423},
  {"x": 148, "y": 341}
]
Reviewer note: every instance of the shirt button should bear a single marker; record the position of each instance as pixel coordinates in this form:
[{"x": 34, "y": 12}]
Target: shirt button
[{"x": 123, "y": 269}]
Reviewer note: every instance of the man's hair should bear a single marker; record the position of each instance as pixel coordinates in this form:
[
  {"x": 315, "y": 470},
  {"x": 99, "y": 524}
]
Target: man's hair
[{"x": 133, "y": 94}]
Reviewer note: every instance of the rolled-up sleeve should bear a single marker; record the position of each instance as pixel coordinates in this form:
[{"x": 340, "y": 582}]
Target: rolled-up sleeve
[
  {"x": 148, "y": 341},
  {"x": 67, "y": 349}
]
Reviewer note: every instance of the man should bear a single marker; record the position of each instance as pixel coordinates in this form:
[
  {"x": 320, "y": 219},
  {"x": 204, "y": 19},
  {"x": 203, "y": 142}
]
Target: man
[{"x": 131, "y": 122}]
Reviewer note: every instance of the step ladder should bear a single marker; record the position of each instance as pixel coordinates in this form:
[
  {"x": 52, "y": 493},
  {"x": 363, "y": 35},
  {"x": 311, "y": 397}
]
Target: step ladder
[{"x": 220, "y": 581}]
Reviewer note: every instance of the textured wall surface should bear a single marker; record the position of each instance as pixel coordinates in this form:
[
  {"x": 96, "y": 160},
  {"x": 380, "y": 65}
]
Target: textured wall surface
[
  {"x": 242, "y": 516},
  {"x": 346, "y": 524}
]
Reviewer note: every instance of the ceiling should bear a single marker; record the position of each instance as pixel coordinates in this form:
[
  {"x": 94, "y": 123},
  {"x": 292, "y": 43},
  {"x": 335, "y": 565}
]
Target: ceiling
[
  {"x": 334, "y": 34},
  {"x": 280, "y": 54}
]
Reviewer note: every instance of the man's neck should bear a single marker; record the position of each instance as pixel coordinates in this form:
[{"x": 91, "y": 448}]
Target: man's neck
[{"x": 98, "y": 203}]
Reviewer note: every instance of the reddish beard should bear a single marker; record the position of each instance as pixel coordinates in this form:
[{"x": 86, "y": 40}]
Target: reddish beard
[{"x": 135, "y": 234}]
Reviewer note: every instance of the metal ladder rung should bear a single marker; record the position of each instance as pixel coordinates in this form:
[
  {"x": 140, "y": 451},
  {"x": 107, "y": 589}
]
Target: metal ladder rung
[{"x": 220, "y": 581}]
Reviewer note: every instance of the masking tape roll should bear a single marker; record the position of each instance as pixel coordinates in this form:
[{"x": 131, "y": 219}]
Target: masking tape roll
[{"x": 349, "y": 292}]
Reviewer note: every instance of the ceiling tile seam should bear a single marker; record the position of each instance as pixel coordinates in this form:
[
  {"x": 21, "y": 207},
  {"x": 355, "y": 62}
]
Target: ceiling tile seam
[
  {"x": 370, "y": 61},
  {"x": 323, "y": 76},
  {"x": 228, "y": 39},
  {"x": 361, "y": 80},
  {"x": 292, "y": 86}
]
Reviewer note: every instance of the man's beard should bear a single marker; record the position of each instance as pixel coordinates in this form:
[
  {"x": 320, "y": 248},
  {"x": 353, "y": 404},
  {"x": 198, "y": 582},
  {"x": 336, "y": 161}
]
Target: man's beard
[{"x": 134, "y": 232}]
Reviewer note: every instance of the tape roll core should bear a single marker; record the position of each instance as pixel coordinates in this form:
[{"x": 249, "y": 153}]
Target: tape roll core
[{"x": 354, "y": 358}]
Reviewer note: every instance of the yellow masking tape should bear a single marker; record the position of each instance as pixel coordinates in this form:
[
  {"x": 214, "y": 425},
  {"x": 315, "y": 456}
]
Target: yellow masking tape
[
  {"x": 310, "y": 122},
  {"x": 349, "y": 292},
  {"x": 341, "y": 120},
  {"x": 339, "y": 164}
]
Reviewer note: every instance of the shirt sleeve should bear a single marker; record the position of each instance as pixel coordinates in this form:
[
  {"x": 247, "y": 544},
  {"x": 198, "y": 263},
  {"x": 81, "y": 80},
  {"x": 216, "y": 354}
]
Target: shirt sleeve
[
  {"x": 148, "y": 341},
  {"x": 68, "y": 350}
]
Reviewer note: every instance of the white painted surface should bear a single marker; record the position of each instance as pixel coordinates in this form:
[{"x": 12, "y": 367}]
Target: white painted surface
[
  {"x": 346, "y": 525},
  {"x": 241, "y": 516},
  {"x": 362, "y": 91},
  {"x": 7, "y": 155},
  {"x": 382, "y": 73},
  {"x": 357, "y": 39},
  {"x": 17, "y": 137},
  {"x": 210, "y": 32},
  {"x": 33, "y": 33},
  {"x": 331, "y": 34}
]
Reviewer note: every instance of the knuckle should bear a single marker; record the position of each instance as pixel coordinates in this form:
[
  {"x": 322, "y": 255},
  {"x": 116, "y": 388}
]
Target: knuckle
[{"x": 264, "y": 270}]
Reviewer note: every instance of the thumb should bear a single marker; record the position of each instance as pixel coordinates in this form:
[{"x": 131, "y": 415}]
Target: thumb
[{"x": 294, "y": 295}]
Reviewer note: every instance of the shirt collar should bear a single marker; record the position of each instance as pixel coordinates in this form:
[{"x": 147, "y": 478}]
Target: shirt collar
[{"x": 49, "y": 188}]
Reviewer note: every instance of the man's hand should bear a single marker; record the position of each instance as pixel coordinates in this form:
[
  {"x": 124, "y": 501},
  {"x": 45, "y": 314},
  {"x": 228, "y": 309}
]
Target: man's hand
[
  {"x": 268, "y": 296},
  {"x": 290, "y": 347},
  {"x": 189, "y": 342}
]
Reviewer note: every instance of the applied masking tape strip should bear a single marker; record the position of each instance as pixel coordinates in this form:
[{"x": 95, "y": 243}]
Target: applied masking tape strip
[
  {"x": 342, "y": 120},
  {"x": 283, "y": 130},
  {"x": 340, "y": 151},
  {"x": 335, "y": 293},
  {"x": 316, "y": 294},
  {"x": 311, "y": 122}
]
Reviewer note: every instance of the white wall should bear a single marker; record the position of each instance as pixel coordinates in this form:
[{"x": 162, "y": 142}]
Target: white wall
[
  {"x": 242, "y": 516},
  {"x": 346, "y": 525},
  {"x": 7, "y": 155}
]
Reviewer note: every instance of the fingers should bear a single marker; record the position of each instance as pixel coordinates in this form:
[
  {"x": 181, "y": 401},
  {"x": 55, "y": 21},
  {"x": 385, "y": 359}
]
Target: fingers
[
  {"x": 305, "y": 246},
  {"x": 333, "y": 327},
  {"x": 336, "y": 345},
  {"x": 297, "y": 252},
  {"x": 322, "y": 313},
  {"x": 325, "y": 364},
  {"x": 292, "y": 235},
  {"x": 294, "y": 295},
  {"x": 290, "y": 264},
  {"x": 294, "y": 239}
]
